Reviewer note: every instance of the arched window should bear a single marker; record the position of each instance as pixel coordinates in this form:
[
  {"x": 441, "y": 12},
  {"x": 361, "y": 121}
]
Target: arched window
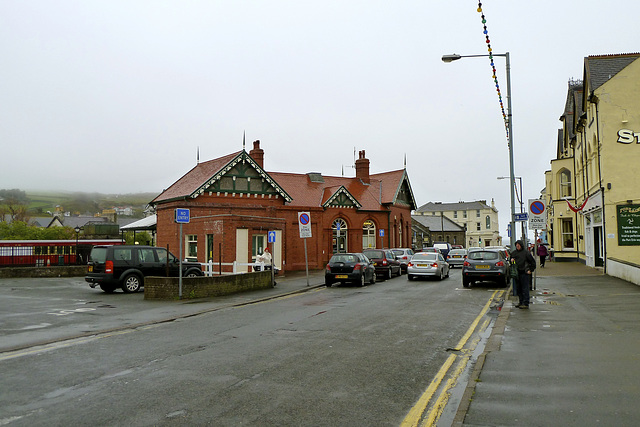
[
  {"x": 368, "y": 235},
  {"x": 565, "y": 183},
  {"x": 339, "y": 228}
]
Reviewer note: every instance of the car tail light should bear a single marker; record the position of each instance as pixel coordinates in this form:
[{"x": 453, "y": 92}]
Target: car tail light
[
  {"x": 357, "y": 267},
  {"x": 405, "y": 257},
  {"x": 108, "y": 267},
  {"x": 500, "y": 264},
  {"x": 410, "y": 264},
  {"x": 384, "y": 262},
  {"x": 466, "y": 264},
  {"x": 435, "y": 264}
]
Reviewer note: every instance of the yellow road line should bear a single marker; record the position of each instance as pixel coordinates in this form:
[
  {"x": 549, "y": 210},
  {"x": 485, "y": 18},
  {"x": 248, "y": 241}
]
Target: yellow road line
[{"x": 416, "y": 413}]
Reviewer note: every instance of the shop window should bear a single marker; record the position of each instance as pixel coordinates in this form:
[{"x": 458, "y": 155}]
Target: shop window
[
  {"x": 567, "y": 234},
  {"x": 258, "y": 244}
]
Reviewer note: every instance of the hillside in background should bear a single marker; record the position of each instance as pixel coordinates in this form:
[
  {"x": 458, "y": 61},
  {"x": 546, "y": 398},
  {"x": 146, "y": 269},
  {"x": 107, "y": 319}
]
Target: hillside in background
[{"x": 40, "y": 203}]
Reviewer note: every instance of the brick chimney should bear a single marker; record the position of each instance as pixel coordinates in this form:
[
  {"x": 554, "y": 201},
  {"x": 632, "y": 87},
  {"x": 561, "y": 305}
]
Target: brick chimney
[
  {"x": 362, "y": 167},
  {"x": 257, "y": 153}
]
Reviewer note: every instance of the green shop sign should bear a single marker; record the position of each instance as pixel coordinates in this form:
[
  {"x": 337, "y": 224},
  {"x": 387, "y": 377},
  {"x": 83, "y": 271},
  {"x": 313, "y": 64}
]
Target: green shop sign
[{"x": 628, "y": 225}]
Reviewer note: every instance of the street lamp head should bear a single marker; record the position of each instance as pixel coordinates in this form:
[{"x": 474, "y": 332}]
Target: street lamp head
[
  {"x": 450, "y": 58},
  {"x": 77, "y": 229}
]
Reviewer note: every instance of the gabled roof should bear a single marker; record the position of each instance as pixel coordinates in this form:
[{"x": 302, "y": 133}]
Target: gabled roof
[
  {"x": 206, "y": 174},
  {"x": 437, "y": 223},
  {"x": 304, "y": 190},
  {"x": 599, "y": 69}
]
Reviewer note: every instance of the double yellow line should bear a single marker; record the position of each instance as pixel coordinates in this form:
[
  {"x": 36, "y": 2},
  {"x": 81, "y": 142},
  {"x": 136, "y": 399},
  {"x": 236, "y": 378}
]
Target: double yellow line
[{"x": 417, "y": 413}]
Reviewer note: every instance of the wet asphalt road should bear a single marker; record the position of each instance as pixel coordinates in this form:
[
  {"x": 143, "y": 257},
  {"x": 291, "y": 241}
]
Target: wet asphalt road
[{"x": 339, "y": 356}]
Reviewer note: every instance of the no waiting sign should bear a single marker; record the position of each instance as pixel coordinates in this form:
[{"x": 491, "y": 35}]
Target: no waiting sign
[
  {"x": 537, "y": 214},
  {"x": 304, "y": 224}
]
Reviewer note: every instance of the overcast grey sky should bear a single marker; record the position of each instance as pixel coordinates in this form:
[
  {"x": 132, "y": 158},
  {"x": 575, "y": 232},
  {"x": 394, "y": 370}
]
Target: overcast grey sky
[{"x": 117, "y": 96}]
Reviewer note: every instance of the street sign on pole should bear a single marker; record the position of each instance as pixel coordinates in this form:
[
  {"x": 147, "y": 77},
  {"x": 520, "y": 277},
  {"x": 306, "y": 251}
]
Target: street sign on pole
[
  {"x": 521, "y": 217},
  {"x": 537, "y": 214},
  {"x": 271, "y": 237},
  {"x": 182, "y": 216},
  {"x": 304, "y": 224}
]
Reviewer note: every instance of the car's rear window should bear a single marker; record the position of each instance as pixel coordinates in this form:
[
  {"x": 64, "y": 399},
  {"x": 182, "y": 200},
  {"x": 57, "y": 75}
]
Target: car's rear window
[
  {"x": 98, "y": 255},
  {"x": 429, "y": 256},
  {"x": 374, "y": 254},
  {"x": 344, "y": 258},
  {"x": 482, "y": 255},
  {"x": 457, "y": 251}
]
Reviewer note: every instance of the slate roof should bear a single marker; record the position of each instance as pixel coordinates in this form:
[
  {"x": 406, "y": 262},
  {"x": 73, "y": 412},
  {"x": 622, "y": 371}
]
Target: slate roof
[
  {"x": 458, "y": 206},
  {"x": 599, "y": 69},
  {"x": 437, "y": 223}
]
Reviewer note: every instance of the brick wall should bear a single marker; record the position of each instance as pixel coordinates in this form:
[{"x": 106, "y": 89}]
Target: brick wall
[{"x": 205, "y": 287}]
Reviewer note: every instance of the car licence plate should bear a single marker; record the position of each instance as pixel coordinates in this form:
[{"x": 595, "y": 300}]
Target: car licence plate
[
  {"x": 422, "y": 265},
  {"x": 482, "y": 267},
  {"x": 457, "y": 256},
  {"x": 90, "y": 268},
  {"x": 342, "y": 276}
]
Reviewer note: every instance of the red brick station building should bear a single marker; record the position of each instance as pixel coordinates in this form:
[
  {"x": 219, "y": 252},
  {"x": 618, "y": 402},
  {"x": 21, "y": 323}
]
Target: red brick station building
[{"x": 234, "y": 203}]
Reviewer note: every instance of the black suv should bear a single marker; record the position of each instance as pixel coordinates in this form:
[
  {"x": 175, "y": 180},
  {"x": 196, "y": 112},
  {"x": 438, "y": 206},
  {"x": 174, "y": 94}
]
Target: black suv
[{"x": 125, "y": 267}]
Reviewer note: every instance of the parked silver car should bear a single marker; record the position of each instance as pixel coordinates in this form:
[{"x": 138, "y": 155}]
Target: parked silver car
[
  {"x": 456, "y": 257},
  {"x": 427, "y": 264},
  {"x": 404, "y": 256}
]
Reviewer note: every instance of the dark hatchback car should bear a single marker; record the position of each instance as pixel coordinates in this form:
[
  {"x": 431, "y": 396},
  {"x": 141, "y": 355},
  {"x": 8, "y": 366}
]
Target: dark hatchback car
[
  {"x": 349, "y": 268},
  {"x": 485, "y": 265},
  {"x": 112, "y": 267},
  {"x": 385, "y": 261}
]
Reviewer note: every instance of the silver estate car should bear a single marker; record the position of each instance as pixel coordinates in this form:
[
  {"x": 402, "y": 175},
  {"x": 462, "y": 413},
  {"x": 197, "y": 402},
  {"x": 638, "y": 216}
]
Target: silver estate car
[{"x": 427, "y": 264}]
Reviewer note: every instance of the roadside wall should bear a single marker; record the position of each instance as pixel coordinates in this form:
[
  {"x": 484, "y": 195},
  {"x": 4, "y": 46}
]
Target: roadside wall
[
  {"x": 54, "y": 271},
  {"x": 204, "y": 287},
  {"x": 623, "y": 270}
]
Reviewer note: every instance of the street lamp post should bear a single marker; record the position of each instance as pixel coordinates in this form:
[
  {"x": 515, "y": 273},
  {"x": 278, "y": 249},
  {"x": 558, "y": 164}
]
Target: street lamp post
[
  {"x": 523, "y": 234},
  {"x": 77, "y": 230},
  {"x": 455, "y": 57}
]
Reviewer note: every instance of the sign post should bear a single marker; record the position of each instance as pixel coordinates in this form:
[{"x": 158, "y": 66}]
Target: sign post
[
  {"x": 271, "y": 238},
  {"x": 304, "y": 226},
  {"x": 183, "y": 216},
  {"x": 537, "y": 221}
]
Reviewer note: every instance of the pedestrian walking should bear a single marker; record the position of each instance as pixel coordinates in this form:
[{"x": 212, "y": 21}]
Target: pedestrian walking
[
  {"x": 525, "y": 264},
  {"x": 542, "y": 253}
]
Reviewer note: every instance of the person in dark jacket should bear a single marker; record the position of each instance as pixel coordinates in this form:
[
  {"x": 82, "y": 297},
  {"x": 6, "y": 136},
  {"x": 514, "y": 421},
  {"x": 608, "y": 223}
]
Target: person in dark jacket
[{"x": 526, "y": 265}]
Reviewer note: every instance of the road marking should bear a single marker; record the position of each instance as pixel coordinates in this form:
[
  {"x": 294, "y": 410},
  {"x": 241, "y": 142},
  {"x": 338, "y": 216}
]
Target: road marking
[
  {"x": 418, "y": 411},
  {"x": 59, "y": 345}
]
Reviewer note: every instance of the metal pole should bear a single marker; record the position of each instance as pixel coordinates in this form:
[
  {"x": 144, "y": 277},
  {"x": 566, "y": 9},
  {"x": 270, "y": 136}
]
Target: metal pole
[
  {"x": 306, "y": 261},
  {"x": 511, "y": 168},
  {"x": 180, "y": 273}
]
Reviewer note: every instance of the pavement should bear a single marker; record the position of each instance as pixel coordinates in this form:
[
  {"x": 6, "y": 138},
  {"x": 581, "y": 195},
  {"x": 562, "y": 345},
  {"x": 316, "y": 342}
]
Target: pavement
[{"x": 571, "y": 359}]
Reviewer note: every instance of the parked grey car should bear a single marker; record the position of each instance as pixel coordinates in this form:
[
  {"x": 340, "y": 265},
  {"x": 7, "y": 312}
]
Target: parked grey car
[
  {"x": 404, "y": 256},
  {"x": 427, "y": 264}
]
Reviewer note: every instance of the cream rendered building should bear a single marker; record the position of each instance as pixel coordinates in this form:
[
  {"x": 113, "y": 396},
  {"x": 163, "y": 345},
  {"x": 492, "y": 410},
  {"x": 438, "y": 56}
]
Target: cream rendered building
[
  {"x": 479, "y": 220},
  {"x": 593, "y": 187}
]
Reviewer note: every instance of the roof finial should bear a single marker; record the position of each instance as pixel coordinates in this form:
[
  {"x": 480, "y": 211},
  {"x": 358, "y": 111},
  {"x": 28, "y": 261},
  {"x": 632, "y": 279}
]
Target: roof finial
[
  {"x": 243, "y": 142},
  {"x": 198, "y": 156},
  {"x": 405, "y": 161}
]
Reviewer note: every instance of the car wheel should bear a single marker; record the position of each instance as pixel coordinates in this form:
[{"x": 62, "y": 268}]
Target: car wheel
[
  {"x": 328, "y": 284},
  {"x": 362, "y": 283},
  {"x": 131, "y": 283},
  {"x": 192, "y": 274},
  {"x": 373, "y": 278},
  {"x": 465, "y": 283},
  {"x": 448, "y": 271},
  {"x": 108, "y": 288},
  {"x": 409, "y": 277},
  {"x": 389, "y": 273}
]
